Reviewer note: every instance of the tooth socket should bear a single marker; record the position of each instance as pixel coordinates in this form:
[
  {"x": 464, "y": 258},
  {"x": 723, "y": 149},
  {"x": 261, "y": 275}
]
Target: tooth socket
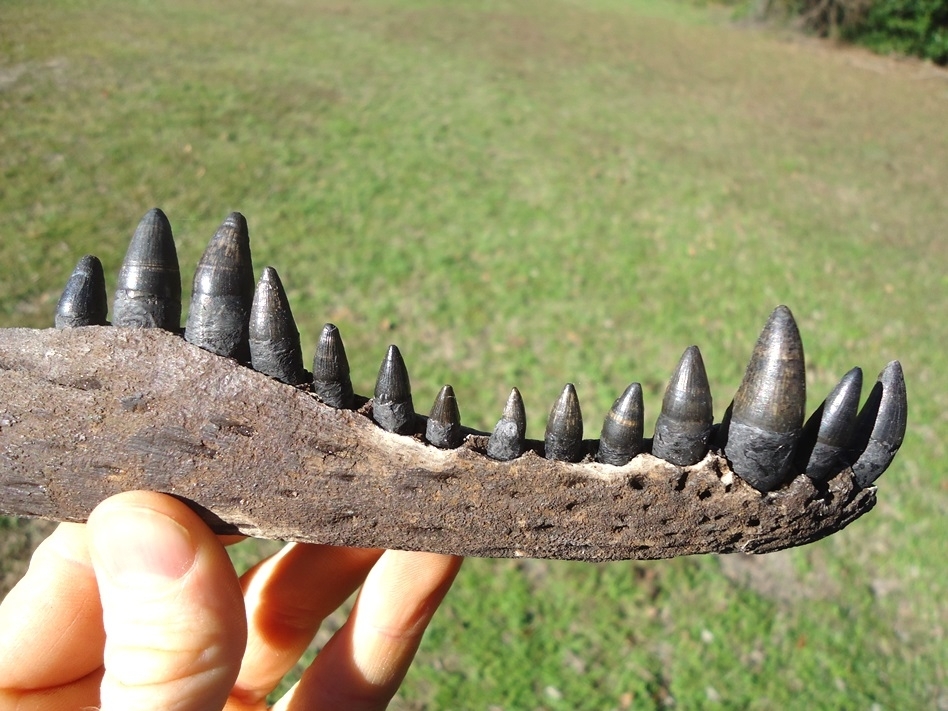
[
  {"x": 684, "y": 424},
  {"x": 274, "y": 339},
  {"x": 880, "y": 427},
  {"x": 621, "y": 438},
  {"x": 824, "y": 443},
  {"x": 507, "y": 441},
  {"x": 331, "y": 381},
  {"x": 564, "y": 430},
  {"x": 84, "y": 301},
  {"x": 767, "y": 415},
  {"x": 223, "y": 291},
  {"x": 392, "y": 407},
  {"x": 148, "y": 293},
  {"x": 444, "y": 423}
]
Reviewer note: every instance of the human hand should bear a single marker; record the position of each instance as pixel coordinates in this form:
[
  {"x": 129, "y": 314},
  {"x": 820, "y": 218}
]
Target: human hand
[{"x": 141, "y": 609}]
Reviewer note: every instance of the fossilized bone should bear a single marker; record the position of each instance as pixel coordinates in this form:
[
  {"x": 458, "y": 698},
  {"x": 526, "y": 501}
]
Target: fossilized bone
[{"x": 88, "y": 410}]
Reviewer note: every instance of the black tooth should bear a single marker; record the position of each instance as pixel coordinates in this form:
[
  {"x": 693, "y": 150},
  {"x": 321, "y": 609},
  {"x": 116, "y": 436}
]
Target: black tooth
[
  {"x": 769, "y": 405},
  {"x": 880, "y": 426},
  {"x": 507, "y": 440},
  {"x": 331, "y": 381},
  {"x": 444, "y": 422},
  {"x": 222, "y": 295},
  {"x": 148, "y": 293},
  {"x": 621, "y": 437},
  {"x": 826, "y": 436},
  {"x": 392, "y": 408},
  {"x": 274, "y": 339},
  {"x": 84, "y": 301},
  {"x": 684, "y": 424},
  {"x": 516, "y": 412},
  {"x": 564, "y": 430}
]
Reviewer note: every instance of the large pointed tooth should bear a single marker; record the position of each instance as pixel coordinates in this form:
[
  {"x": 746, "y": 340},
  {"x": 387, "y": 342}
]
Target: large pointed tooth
[
  {"x": 824, "y": 443},
  {"x": 148, "y": 293},
  {"x": 684, "y": 425},
  {"x": 564, "y": 430},
  {"x": 444, "y": 422},
  {"x": 507, "y": 440},
  {"x": 222, "y": 295},
  {"x": 392, "y": 407},
  {"x": 274, "y": 339},
  {"x": 880, "y": 426},
  {"x": 331, "y": 381},
  {"x": 84, "y": 301},
  {"x": 769, "y": 405},
  {"x": 621, "y": 437}
]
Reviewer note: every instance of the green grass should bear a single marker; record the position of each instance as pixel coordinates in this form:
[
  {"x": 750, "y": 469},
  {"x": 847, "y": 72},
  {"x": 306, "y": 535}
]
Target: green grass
[{"x": 528, "y": 194}]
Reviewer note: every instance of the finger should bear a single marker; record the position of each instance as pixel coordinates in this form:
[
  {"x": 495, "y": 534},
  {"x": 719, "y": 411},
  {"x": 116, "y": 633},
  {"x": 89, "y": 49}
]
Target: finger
[
  {"x": 52, "y": 620},
  {"x": 79, "y": 694},
  {"x": 287, "y": 598},
  {"x": 172, "y": 607},
  {"x": 362, "y": 666}
]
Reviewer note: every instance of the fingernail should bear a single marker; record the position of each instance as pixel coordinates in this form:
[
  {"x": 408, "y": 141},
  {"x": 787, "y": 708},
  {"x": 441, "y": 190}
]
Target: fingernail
[{"x": 139, "y": 547}]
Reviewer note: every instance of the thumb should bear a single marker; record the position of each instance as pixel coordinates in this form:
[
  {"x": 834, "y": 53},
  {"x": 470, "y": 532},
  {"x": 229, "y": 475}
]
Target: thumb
[{"x": 172, "y": 608}]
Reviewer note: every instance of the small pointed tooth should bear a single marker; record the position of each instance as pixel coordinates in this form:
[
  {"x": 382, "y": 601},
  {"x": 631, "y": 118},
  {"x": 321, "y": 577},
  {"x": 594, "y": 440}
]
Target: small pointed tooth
[
  {"x": 684, "y": 425},
  {"x": 507, "y": 440},
  {"x": 826, "y": 436},
  {"x": 621, "y": 437},
  {"x": 223, "y": 291},
  {"x": 84, "y": 301},
  {"x": 880, "y": 426},
  {"x": 331, "y": 381},
  {"x": 148, "y": 293},
  {"x": 444, "y": 422},
  {"x": 769, "y": 405},
  {"x": 564, "y": 430},
  {"x": 392, "y": 407},
  {"x": 274, "y": 339}
]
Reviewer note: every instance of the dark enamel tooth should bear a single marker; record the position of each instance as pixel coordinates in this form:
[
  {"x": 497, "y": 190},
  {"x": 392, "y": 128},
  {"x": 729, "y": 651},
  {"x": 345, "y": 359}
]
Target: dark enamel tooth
[
  {"x": 84, "y": 301},
  {"x": 331, "y": 381},
  {"x": 880, "y": 426},
  {"x": 824, "y": 443},
  {"x": 564, "y": 430},
  {"x": 769, "y": 405},
  {"x": 684, "y": 424},
  {"x": 148, "y": 293},
  {"x": 392, "y": 408},
  {"x": 507, "y": 440},
  {"x": 222, "y": 296},
  {"x": 444, "y": 422},
  {"x": 274, "y": 339},
  {"x": 621, "y": 437}
]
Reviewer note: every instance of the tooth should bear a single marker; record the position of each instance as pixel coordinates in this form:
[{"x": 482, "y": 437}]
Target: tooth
[
  {"x": 507, "y": 440},
  {"x": 222, "y": 295},
  {"x": 148, "y": 293},
  {"x": 392, "y": 408},
  {"x": 621, "y": 437},
  {"x": 274, "y": 339},
  {"x": 444, "y": 422},
  {"x": 564, "y": 430},
  {"x": 684, "y": 425},
  {"x": 331, "y": 381},
  {"x": 880, "y": 426},
  {"x": 84, "y": 301},
  {"x": 768, "y": 408},
  {"x": 824, "y": 442}
]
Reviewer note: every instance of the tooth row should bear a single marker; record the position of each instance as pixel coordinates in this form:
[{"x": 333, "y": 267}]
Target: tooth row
[{"x": 763, "y": 435}]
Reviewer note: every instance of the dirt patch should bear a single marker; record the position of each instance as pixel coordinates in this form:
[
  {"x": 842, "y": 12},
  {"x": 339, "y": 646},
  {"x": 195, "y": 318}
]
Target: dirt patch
[
  {"x": 775, "y": 576},
  {"x": 18, "y": 539}
]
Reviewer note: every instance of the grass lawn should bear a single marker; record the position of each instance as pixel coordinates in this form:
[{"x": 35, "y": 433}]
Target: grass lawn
[{"x": 530, "y": 193}]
